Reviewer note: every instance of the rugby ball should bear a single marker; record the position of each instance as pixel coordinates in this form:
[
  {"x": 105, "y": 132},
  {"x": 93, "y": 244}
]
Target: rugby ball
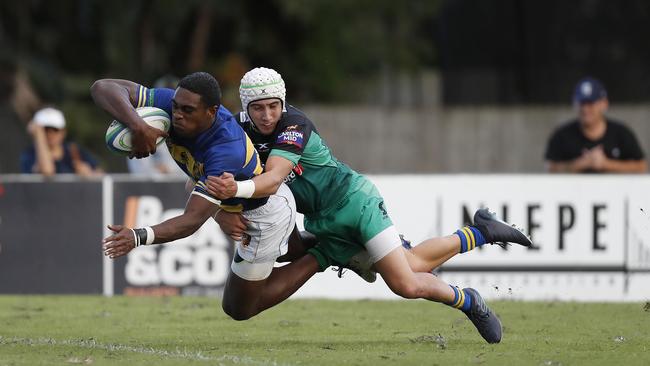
[{"x": 118, "y": 136}]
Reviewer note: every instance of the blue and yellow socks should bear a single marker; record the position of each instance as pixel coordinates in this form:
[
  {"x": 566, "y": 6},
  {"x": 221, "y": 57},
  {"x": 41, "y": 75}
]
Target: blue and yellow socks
[
  {"x": 462, "y": 299},
  {"x": 470, "y": 238}
]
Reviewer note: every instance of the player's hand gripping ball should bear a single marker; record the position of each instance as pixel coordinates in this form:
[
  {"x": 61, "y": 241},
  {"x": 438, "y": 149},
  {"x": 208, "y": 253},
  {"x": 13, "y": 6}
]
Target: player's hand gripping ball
[{"x": 119, "y": 137}]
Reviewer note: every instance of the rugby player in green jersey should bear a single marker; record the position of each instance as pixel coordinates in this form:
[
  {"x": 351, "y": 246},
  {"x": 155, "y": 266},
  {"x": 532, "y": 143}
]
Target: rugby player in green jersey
[{"x": 344, "y": 210}]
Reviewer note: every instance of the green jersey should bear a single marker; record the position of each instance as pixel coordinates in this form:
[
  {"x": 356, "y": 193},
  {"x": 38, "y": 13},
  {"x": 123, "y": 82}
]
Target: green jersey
[
  {"x": 341, "y": 207},
  {"x": 318, "y": 180}
]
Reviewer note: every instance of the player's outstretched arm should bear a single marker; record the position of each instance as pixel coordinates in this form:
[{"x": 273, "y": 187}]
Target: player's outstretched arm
[
  {"x": 124, "y": 239},
  {"x": 119, "y": 98},
  {"x": 197, "y": 211},
  {"x": 277, "y": 168}
]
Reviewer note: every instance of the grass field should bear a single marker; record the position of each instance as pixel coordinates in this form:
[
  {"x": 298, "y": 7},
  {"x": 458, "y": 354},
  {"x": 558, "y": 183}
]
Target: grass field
[{"x": 67, "y": 330}]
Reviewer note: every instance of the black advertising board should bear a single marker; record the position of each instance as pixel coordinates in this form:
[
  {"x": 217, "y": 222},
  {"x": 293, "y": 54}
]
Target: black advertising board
[
  {"x": 196, "y": 265},
  {"x": 50, "y": 237},
  {"x": 51, "y": 232}
]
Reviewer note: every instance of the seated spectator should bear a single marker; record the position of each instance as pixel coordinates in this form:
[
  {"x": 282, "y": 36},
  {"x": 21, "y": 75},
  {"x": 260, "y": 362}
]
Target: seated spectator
[
  {"x": 51, "y": 153},
  {"x": 593, "y": 143}
]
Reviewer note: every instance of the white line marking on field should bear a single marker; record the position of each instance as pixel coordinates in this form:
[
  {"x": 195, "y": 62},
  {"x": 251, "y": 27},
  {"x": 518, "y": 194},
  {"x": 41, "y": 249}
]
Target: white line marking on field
[{"x": 178, "y": 353}]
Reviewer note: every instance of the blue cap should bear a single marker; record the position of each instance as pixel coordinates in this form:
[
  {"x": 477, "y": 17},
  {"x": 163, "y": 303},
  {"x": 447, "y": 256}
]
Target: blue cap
[{"x": 589, "y": 90}]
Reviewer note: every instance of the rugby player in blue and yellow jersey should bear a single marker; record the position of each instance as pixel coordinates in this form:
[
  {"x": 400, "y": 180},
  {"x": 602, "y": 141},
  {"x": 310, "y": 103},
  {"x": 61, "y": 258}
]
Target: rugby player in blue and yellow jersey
[
  {"x": 205, "y": 139},
  {"x": 344, "y": 210}
]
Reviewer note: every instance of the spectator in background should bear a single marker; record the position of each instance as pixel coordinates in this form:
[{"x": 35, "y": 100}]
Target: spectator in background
[
  {"x": 51, "y": 153},
  {"x": 593, "y": 143}
]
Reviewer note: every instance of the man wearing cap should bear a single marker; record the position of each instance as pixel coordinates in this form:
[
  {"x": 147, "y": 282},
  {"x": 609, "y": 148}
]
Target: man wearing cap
[
  {"x": 593, "y": 143},
  {"x": 51, "y": 153}
]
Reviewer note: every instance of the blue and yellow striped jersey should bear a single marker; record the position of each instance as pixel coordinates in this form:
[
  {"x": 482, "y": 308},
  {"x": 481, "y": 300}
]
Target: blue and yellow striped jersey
[{"x": 224, "y": 147}]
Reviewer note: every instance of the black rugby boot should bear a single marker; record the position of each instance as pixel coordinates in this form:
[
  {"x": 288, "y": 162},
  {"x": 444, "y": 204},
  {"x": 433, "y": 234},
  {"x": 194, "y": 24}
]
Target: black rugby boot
[
  {"x": 497, "y": 231},
  {"x": 484, "y": 319}
]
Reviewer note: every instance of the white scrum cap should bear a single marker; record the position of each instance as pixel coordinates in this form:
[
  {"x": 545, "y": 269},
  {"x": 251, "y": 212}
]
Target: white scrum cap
[{"x": 261, "y": 83}]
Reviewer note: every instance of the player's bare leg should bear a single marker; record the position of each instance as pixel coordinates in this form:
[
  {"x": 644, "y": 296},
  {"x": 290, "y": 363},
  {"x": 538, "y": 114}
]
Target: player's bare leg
[
  {"x": 424, "y": 257},
  {"x": 243, "y": 299},
  {"x": 399, "y": 277},
  {"x": 487, "y": 228},
  {"x": 431, "y": 253},
  {"x": 396, "y": 272}
]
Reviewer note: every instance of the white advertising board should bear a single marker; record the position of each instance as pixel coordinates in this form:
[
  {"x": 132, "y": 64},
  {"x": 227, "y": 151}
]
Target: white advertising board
[{"x": 590, "y": 233}]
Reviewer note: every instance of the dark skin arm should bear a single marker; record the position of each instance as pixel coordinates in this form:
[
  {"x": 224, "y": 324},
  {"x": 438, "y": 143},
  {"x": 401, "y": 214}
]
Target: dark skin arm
[
  {"x": 232, "y": 224},
  {"x": 118, "y": 98},
  {"x": 197, "y": 211}
]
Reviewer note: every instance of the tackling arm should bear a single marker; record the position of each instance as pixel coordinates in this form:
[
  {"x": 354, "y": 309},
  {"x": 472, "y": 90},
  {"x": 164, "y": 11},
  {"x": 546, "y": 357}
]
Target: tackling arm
[
  {"x": 267, "y": 183},
  {"x": 224, "y": 187}
]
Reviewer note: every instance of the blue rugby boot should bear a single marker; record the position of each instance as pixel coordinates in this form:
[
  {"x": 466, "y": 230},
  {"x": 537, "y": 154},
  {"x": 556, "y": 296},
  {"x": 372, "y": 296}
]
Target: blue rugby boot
[
  {"x": 484, "y": 319},
  {"x": 497, "y": 231}
]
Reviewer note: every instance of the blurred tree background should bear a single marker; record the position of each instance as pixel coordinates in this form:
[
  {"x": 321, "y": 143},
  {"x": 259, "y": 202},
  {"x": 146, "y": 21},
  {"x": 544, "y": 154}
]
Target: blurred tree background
[
  {"x": 328, "y": 51},
  {"x": 322, "y": 45},
  {"x": 414, "y": 53}
]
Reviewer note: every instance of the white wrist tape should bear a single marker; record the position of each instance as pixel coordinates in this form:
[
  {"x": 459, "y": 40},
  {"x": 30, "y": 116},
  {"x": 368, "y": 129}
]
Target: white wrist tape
[
  {"x": 245, "y": 189},
  {"x": 136, "y": 238},
  {"x": 150, "y": 235}
]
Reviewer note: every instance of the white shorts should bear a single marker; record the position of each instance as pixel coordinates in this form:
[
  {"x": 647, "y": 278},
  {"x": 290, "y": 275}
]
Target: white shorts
[
  {"x": 269, "y": 229},
  {"x": 377, "y": 248},
  {"x": 383, "y": 243}
]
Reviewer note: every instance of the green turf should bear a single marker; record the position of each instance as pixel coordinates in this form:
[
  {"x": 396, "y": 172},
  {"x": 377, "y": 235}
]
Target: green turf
[{"x": 67, "y": 330}]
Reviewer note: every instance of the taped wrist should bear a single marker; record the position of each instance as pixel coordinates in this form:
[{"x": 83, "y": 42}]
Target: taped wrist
[
  {"x": 245, "y": 189},
  {"x": 143, "y": 236}
]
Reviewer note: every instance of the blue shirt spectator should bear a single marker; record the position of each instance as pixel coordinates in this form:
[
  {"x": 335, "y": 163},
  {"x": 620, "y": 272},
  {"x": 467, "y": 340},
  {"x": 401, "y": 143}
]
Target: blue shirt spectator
[{"x": 51, "y": 153}]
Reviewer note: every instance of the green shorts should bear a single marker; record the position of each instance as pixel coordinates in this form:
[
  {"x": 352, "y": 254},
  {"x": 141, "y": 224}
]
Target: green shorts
[{"x": 347, "y": 228}]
